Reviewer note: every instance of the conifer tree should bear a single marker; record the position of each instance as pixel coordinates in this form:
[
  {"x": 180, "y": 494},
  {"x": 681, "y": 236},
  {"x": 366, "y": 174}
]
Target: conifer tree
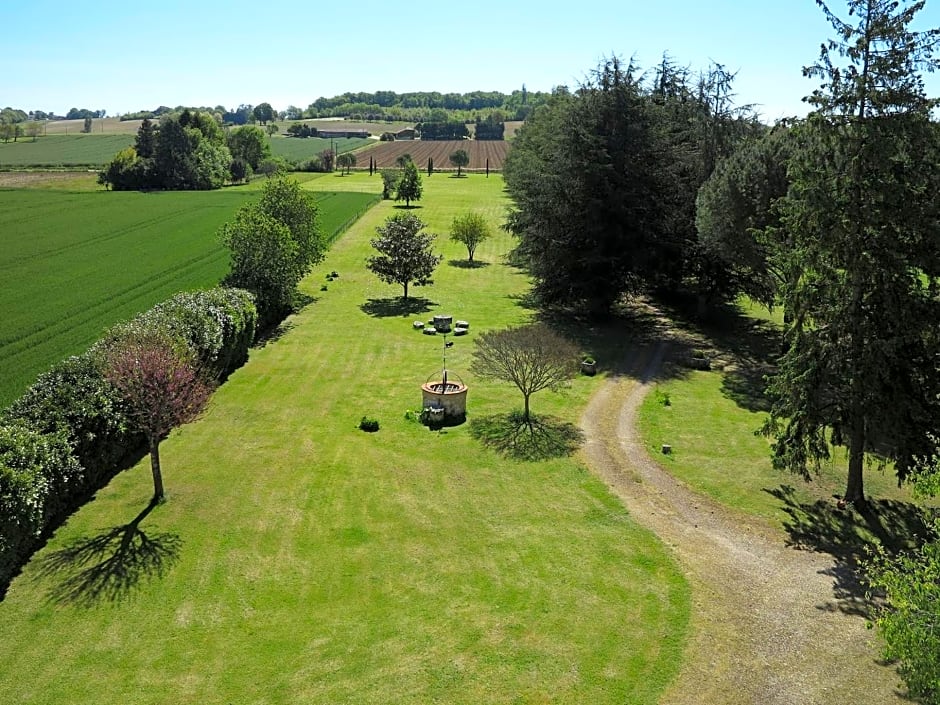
[{"x": 864, "y": 222}]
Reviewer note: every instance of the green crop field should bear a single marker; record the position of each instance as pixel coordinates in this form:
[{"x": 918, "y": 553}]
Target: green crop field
[
  {"x": 307, "y": 148},
  {"x": 94, "y": 150},
  {"x": 63, "y": 150},
  {"x": 74, "y": 263}
]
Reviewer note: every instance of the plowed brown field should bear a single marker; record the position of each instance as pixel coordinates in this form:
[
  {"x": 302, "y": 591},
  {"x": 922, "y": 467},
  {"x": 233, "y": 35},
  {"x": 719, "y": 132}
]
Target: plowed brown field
[{"x": 385, "y": 154}]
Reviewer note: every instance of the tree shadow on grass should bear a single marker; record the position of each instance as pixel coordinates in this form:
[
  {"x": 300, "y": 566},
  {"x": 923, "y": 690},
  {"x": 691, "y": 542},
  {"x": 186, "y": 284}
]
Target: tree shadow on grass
[
  {"x": 467, "y": 264},
  {"x": 847, "y": 534},
  {"x": 397, "y": 306},
  {"x": 538, "y": 438},
  {"x": 748, "y": 348},
  {"x": 110, "y": 565}
]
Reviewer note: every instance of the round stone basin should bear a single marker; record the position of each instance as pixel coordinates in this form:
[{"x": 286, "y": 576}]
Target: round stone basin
[{"x": 449, "y": 396}]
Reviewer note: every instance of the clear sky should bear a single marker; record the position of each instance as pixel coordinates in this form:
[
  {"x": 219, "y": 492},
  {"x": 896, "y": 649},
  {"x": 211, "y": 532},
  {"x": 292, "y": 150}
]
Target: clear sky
[{"x": 136, "y": 55}]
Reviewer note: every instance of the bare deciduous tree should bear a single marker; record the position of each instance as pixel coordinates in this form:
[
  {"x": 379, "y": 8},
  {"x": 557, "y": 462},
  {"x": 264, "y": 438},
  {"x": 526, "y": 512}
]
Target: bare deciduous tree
[{"x": 532, "y": 357}]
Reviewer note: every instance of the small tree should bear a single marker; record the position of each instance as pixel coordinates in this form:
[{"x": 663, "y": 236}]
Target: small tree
[
  {"x": 406, "y": 255},
  {"x": 409, "y": 187},
  {"x": 273, "y": 244},
  {"x": 86, "y": 126},
  {"x": 532, "y": 357},
  {"x": 470, "y": 229},
  {"x": 460, "y": 159},
  {"x": 328, "y": 158},
  {"x": 33, "y": 128},
  {"x": 272, "y": 129},
  {"x": 346, "y": 161},
  {"x": 909, "y": 616},
  {"x": 390, "y": 179},
  {"x": 162, "y": 387},
  {"x": 403, "y": 161},
  {"x": 263, "y": 113}
]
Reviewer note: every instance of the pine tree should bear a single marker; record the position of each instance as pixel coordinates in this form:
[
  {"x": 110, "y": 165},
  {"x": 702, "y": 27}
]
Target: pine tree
[{"x": 863, "y": 219}]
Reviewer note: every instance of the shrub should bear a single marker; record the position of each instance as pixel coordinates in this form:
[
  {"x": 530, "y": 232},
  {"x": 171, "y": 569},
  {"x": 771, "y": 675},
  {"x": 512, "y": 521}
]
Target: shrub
[
  {"x": 73, "y": 398},
  {"x": 34, "y": 470},
  {"x": 369, "y": 424},
  {"x": 217, "y": 325}
]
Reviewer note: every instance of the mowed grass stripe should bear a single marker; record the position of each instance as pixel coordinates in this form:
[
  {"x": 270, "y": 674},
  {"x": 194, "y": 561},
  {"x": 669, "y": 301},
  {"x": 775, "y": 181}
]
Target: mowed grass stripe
[
  {"x": 321, "y": 564},
  {"x": 75, "y": 263}
]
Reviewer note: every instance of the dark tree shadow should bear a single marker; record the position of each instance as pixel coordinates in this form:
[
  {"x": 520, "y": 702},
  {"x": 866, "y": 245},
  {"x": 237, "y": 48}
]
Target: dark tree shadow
[
  {"x": 538, "y": 438},
  {"x": 109, "y": 565},
  {"x": 848, "y": 534},
  {"x": 749, "y": 347},
  {"x": 397, "y": 306},
  {"x": 412, "y": 207},
  {"x": 272, "y": 334},
  {"x": 467, "y": 264},
  {"x": 746, "y": 385},
  {"x": 622, "y": 343}
]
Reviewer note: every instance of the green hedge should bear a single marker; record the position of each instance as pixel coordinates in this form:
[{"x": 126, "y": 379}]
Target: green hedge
[
  {"x": 36, "y": 471},
  {"x": 69, "y": 433}
]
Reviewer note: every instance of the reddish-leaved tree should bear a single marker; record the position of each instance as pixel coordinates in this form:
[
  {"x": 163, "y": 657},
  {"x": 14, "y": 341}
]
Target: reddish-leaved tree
[{"x": 163, "y": 388}]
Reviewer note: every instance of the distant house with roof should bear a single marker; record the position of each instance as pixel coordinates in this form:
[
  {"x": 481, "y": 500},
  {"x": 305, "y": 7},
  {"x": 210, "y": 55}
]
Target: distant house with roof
[{"x": 340, "y": 134}]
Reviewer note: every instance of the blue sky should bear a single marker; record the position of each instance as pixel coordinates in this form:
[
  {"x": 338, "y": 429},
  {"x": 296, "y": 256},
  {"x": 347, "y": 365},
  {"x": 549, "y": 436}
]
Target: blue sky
[{"x": 137, "y": 55}]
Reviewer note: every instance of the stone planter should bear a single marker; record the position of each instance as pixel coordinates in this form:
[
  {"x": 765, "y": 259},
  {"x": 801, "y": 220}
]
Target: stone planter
[{"x": 589, "y": 367}]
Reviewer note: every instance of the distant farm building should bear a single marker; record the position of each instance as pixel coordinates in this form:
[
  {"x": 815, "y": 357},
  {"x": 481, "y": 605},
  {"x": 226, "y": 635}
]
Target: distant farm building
[
  {"x": 340, "y": 134},
  {"x": 406, "y": 134}
]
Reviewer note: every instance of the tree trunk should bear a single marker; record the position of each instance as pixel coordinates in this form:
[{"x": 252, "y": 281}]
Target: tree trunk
[
  {"x": 525, "y": 413},
  {"x": 405, "y": 297},
  {"x": 854, "y": 486},
  {"x": 155, "y": 469}
]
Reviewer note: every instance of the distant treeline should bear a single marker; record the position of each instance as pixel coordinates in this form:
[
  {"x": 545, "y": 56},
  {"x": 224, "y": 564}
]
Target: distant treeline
[
  {"x": 13, "y": 115},
  {"x": 427, "y": 106},
  {"x": 387, "y": 106}
]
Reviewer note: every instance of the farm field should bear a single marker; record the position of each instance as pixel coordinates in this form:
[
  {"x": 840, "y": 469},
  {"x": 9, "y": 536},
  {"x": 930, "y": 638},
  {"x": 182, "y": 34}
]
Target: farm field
[
  {"x": 385, "y": 153},
  {"x": 296, "y": 149},
  {"x": 95, "y": 150},
  {"x": 99, "y": 126},
  {"x": 90, "y": 150},
  {"x": 304, "y": 561},
  {"x": 74, "y": 263},
  {"x": 374, "y": 128}
]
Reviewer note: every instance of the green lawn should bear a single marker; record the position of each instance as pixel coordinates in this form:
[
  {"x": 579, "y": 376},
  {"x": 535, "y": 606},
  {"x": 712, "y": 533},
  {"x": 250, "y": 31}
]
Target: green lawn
[
  {"x": 74, "y": 263},
  {"x": 711, "y": 424},
  {"x": 305, "y": 561}
]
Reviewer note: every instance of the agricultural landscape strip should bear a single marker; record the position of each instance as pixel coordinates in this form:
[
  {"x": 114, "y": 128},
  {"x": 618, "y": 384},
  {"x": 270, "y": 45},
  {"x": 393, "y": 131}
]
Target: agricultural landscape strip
[
  {"x": 385, "y": 153},
  {"x": 75, "y": 263}
]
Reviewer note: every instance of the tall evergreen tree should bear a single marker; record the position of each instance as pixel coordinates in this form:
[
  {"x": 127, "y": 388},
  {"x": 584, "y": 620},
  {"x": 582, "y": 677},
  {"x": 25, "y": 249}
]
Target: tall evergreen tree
[
  {"x": 735, "y": 209},
  {"x": 585, "y": 205},
  {"x": 864, "y": 221}
]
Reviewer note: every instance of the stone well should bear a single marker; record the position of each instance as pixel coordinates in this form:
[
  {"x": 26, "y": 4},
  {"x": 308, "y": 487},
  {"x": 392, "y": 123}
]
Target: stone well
[{"x": 445, "y": 398}]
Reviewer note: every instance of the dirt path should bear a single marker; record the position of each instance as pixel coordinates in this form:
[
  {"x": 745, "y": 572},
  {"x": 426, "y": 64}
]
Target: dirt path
[{"x": 764, "y": 628}]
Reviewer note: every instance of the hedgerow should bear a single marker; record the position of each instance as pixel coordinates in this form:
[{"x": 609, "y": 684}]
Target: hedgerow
[{"x": 69, "y": 433}]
